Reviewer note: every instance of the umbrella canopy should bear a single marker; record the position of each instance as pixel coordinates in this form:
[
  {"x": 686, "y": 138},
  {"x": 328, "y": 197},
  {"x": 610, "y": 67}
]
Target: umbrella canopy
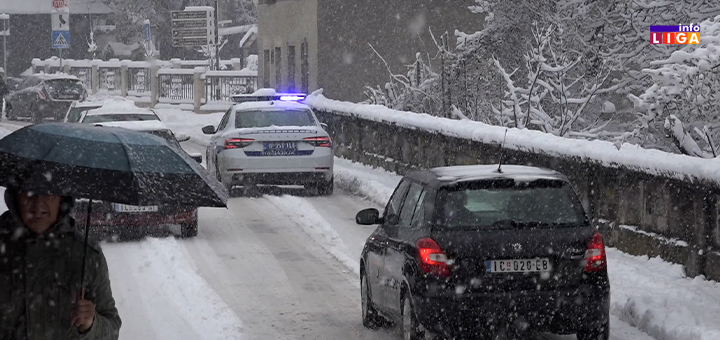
[{"x": 103, "y": 163}]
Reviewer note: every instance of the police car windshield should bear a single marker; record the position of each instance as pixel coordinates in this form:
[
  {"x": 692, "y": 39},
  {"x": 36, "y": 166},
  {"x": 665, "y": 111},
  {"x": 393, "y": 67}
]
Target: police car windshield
[{"x": 267, "y": 118}]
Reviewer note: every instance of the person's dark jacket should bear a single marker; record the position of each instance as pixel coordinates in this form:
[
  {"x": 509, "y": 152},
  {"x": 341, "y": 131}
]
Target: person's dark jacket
[{"x": 40, "y": 274}]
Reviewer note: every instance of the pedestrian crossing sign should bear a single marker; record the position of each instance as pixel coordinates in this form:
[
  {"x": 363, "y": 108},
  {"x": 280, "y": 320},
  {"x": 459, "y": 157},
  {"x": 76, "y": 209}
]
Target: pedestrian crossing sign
[{"x": 60, "y": 39}]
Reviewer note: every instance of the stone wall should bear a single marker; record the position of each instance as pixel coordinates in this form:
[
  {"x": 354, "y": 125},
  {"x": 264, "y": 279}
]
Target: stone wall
[{"x": 640, "y": 214}]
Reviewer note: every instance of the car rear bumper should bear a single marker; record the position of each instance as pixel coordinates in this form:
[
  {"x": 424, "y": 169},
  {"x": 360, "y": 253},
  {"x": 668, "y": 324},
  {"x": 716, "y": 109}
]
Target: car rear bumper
[
  {"x": 146, "y": 223},
  {"x": 562, "y": 312},
  {"x": 280, "y": 178},
  {"x": 238, "y": 169}
]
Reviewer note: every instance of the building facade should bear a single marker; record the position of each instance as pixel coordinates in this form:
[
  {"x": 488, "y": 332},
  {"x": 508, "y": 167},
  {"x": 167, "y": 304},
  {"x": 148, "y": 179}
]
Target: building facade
[{"x": 344, "y": 46}]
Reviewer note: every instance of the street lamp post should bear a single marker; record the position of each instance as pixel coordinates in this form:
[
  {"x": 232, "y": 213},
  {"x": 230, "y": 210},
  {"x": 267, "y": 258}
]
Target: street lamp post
[{"x": 5, "y": 18}]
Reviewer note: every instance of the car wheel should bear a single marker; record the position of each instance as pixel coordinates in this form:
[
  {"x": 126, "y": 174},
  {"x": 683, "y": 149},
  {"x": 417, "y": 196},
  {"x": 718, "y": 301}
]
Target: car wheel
[
  {"x": 603, "y": 333},
  {"x": 326, "y": 188},
  {"x": 370, "y": 317},
  {"x": 189, "y": 229},
  {"x": 410, "y": 325}
]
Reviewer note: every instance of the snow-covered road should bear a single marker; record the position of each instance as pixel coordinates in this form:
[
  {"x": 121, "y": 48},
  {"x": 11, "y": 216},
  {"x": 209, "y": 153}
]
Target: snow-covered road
[{"x": 284, "y": 266}]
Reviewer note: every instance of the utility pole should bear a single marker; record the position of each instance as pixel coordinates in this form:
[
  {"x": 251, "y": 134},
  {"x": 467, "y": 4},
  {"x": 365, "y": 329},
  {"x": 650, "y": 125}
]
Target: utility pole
[
  {"x": 5, "y": 18},
  {"x": 217, "y": 37}
]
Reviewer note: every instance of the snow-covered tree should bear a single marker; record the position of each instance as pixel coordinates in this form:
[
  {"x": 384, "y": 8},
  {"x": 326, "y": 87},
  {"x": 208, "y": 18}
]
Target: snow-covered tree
[
  {"x": 685, "y": 94},
  {"x": 554, "y": 96}
]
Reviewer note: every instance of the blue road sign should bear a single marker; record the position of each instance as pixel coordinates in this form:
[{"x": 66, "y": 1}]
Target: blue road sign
[
  {"x": 60, "y": 39},
  {"x": 146, "y": 31}
]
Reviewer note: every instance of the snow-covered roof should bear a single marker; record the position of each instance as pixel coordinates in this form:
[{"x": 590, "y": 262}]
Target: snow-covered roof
[
  {"x": 271, "y": 105},
  {"x": 465, "y": 172},
  {"x": 45, "y": 7},
  {"x": 249, "y": 37},
  {"x": 145, "y": 125},
  {"x": 236, "y": 29}
]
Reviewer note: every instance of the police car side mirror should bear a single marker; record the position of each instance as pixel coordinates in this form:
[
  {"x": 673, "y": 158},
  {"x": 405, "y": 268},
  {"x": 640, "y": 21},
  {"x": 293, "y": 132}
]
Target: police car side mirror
[{"x": 324, "y": 126}]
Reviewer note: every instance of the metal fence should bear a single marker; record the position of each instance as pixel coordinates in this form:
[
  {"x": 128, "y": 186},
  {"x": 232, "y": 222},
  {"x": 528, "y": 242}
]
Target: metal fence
[
  {"x": 221, "y": 88},
  {"x": 175, "y": 88},
  {"x": 138, "y": 81},
  {"x": 109, "y": 79}
]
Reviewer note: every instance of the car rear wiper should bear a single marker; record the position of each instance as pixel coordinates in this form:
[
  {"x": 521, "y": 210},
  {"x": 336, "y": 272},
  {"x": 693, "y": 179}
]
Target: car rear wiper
[{"x": 515, "y": 224}]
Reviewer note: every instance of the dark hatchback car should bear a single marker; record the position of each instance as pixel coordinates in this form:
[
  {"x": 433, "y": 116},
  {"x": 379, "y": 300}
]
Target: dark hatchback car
[
  {"x": 466, "y": 251},
  {"x": 43, "y": 96}
]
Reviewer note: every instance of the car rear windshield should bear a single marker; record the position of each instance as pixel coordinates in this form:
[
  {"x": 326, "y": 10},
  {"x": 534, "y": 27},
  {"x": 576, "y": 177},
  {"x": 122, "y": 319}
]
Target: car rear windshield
[
  {"x": 64, "y": 86},
  {"x": 124, "y": 117},
  {"x": 76, "y": 113},
  {"x": 267, "y": 118},
  {"x": 509, "y": 204}
]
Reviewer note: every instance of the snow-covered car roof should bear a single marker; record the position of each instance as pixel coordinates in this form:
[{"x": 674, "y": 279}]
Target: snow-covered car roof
[
  {"x": 480, "y": 172},
  {"x": 46, "y": 76},
  {"x": 271, "y": 105},
  {"x": 145, "y": 125},
  {"x": 115, "y": 108}
]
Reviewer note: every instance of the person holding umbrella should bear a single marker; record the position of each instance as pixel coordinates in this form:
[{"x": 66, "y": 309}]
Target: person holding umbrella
[
  {"x": 44, "y": 257},
  {"x": 41, "y": 252}
]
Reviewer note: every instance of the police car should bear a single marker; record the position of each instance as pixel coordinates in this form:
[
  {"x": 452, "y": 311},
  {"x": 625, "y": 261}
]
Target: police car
[{"x": 270, "y": 138}]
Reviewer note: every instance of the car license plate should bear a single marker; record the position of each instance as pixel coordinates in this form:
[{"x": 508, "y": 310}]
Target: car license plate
[
  {"x": 135, "y": 209},
  {"x": 280, "y": 148},
  {"x": 518, "y": 266}
]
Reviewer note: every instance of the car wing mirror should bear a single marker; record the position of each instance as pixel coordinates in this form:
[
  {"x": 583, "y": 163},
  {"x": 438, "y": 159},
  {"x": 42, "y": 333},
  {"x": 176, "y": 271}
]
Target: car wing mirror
[
  {"x": 368, "y": 217},
  {"x": 209, "y": 130},
  {"x": 324, "y": 126},
  {"x": 182, "y": 138},
  {"x": 197, "y": 157}
]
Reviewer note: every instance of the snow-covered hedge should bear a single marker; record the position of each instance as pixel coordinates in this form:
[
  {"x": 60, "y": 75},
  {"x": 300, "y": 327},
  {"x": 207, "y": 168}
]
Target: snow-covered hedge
[{"x": 630, "y": 156}]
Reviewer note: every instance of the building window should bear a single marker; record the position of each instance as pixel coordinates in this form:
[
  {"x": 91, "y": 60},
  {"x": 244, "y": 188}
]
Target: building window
[
  {"x": 266, "y": 68},
  {"x": 278, "y": 68},
  {"x": 304, "y": 68},
  {"x": 291, "y": 68}
]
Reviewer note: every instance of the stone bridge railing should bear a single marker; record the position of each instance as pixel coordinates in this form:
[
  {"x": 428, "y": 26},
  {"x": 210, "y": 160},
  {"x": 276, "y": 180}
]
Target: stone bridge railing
[{"x": 646, "y": 202}]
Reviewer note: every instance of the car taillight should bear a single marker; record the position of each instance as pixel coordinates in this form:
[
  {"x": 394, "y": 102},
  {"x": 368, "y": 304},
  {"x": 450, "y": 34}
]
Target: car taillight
[
  {"x": 41, "y": 94},
  {"x": 432, "y": 259},
  {"x": 238, "y": 143},
  {"x": 323, "y": 142},
  {"x": 595, "y": 259}
]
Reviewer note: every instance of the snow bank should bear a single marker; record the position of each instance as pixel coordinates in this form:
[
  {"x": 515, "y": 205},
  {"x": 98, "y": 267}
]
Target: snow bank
[
  {"x": 160, "y": 296},
  {"x": 317, "y": 227},
  {"x": 653, "y": 162},
  {"x": 658, "y": 298},
  {"x": 376, "y": 185}
]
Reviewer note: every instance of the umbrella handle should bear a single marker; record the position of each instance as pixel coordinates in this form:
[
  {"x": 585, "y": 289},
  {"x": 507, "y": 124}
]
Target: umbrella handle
[{"x": 87, "y": 233}]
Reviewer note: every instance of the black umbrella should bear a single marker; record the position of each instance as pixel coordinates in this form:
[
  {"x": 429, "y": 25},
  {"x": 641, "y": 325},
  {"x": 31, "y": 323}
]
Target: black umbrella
[{"x": 109, "y": 164}]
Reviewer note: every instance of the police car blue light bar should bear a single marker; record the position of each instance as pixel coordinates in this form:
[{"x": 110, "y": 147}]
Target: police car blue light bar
[
  {"x": 291, "y": 97},
  {"x": 268, "y": 95}
]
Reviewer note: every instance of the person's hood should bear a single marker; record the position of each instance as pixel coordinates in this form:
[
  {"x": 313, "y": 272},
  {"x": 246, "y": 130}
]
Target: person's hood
[{"x": 64, "y": 223}]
